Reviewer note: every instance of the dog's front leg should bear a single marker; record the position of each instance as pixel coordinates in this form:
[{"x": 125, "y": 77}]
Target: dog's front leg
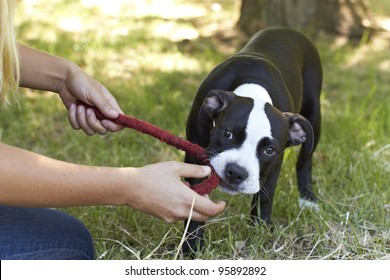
[
  {"x": 194, "y": 237},
  {"x": 195, "y": 231},
  {"x": 262, "y": 200}
]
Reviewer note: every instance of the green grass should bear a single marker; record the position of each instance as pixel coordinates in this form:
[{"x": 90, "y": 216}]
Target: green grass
[{"x": 153, "y": 76}]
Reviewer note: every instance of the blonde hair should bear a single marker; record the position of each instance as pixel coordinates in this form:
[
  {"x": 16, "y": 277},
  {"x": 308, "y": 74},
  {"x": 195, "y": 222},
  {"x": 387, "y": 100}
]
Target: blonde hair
[{"x": 9, "y": 62}]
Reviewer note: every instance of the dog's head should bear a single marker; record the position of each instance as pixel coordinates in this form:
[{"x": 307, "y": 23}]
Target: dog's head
[{"x": 248, "y": 138}]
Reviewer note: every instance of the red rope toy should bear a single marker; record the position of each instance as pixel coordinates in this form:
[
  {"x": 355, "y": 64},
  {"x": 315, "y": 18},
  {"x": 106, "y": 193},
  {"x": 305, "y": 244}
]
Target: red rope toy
[{"x": 165, "y": 136}]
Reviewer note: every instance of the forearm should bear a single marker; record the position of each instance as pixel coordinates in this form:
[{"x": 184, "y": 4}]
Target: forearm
[
  {"x": 31, "y": 180},
  {"x": 42, "y": 71}
]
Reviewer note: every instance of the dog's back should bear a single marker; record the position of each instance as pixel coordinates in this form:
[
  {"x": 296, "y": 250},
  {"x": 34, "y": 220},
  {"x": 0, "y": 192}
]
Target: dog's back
[{"x": 290, "y": 49}]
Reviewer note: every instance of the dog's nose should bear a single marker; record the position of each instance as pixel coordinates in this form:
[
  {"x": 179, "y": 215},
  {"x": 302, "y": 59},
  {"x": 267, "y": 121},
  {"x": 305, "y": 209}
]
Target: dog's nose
[{"x": 235, "y": 174}]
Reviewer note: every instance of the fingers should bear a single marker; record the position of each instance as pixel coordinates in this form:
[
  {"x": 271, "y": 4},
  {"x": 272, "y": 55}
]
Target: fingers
[
  {"x": 205, "y": 208},
  {"x": 83, "y": 87},
  {"x": 80, "y": 118},
  {"x": 167, "y": 197},
  {"x": 192, "y": 170},
  {"x": 111, "y": 126},
  {"x": 201, "y": 211},
  {"x": 106, "y": 103},
  {"x": 85, "y": 119},
  {"x": 72, "y": 116}
]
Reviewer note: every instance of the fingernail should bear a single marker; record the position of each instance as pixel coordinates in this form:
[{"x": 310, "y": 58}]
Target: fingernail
[
  {"x": 80, "y": 109},
  {"x": 72, "y": 107},
  {"x": 206, "y": 169}
]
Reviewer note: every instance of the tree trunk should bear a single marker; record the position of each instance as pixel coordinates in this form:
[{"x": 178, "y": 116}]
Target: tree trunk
[
  {"x": 347, "y": 17},
  {"x": 252, "y": 16}
]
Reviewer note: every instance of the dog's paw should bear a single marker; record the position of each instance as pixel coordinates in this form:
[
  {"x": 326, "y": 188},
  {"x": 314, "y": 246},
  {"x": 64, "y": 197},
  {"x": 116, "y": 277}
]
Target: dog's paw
[{"x": 307, "y": 204}]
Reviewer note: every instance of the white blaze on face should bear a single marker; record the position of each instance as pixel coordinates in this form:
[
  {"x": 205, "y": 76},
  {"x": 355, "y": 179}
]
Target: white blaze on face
[{"x": 258, "y": 127}]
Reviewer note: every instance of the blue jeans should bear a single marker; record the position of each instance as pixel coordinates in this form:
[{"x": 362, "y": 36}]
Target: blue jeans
[{"x": 43, "y": 234}]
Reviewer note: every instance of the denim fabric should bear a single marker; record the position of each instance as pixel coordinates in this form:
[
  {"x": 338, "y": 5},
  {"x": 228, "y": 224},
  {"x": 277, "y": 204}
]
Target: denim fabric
[{"x": 42, "y": 234}]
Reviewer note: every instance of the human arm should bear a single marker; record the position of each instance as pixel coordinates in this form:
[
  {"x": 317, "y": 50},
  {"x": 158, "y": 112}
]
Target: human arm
[
  {"x": 42, "y": 71},
  {"x": 32, "y": 180}
]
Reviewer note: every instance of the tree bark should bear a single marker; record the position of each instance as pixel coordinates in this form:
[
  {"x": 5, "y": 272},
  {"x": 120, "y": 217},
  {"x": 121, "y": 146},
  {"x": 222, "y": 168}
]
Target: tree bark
[
  {"x": 347, "y": 17},
  {"x": 252, "y": 16}
]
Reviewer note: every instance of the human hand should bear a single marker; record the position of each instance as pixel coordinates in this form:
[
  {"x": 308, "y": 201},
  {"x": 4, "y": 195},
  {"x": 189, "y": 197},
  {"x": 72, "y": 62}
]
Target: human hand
[
  {"x": 80, "y": 86},
  {"x": 159, "y": 191}
]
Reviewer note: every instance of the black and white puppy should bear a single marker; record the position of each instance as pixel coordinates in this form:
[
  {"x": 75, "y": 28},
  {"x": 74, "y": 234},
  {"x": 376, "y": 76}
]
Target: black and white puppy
[{"x": 251, "y": 107}]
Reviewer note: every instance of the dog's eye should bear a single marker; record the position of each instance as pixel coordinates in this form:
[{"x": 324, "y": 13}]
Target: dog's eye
[
  {"x": 228, "y": 134},
  {"x": 269, "y": 151}
]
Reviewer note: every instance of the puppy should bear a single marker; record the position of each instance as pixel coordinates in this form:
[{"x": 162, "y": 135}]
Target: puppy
[{"x": 251, "y": 107}]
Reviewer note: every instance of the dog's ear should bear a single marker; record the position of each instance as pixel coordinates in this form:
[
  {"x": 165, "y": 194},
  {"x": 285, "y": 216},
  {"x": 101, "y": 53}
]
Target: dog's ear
[
  {"x": 300, "y": 132},
  {"x": 215, "y": 101}
]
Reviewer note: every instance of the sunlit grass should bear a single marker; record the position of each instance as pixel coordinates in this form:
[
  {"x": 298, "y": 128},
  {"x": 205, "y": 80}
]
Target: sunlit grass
[{"x": 137, "y": 53}]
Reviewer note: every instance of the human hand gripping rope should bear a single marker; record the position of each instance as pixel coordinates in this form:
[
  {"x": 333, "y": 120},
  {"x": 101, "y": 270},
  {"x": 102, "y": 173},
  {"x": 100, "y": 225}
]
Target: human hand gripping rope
[{"x": 193, "y": 149}]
